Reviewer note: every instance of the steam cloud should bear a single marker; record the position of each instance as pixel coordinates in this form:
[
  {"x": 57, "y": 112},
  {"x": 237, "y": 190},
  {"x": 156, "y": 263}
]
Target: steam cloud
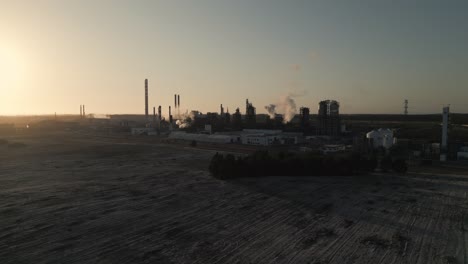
[
  {"x": 185, "y": 120},
  {"x": 271, "y": 110},
  {"x": 286, "y": 106}
]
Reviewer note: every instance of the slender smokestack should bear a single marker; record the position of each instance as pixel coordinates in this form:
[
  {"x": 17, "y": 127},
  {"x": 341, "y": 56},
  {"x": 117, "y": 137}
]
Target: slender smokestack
[
  {"x": 146, "y": 97},
  {"x": 175, "y": 100},
  {"x": 154, "y": 114},
  {"x": 159, "y": 113},
  {"x": 170, "y": 116},
  {"x": 81, "y": 111},
  {"x": 178, "y": 101},
  {"x": 84, "y": 112}
]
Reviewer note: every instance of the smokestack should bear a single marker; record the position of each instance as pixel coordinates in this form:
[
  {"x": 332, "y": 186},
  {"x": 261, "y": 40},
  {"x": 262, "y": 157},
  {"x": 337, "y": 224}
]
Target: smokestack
[
  {"x": 222, "y": 110},
  {"x": 146, "y": 98},
  {"x": 159, "y": 113},
  {"x": 178, "y": 101},
  {"x": 154, "y": 114},
  {"x": 81, "y": 111},
  {"x": 84, "y": 112},
  {"x": 170, "y": 116},
  {"x": 445, "y": 124},
  {"x": 175, "y": 100}
]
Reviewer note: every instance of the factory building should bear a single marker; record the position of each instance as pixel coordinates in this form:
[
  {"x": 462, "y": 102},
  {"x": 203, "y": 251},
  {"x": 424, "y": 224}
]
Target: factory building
[
  {"x": 305, "y": 117},
  {"x": 329, "y": 118},
  {"x": 250, "y": 114}
]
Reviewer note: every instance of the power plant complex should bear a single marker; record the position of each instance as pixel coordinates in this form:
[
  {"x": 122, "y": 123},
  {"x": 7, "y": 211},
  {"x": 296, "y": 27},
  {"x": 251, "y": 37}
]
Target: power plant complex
[{"x": 282, "y": 125}]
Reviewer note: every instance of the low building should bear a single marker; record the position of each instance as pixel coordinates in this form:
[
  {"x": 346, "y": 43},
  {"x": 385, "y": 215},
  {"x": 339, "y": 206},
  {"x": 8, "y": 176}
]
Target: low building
[
  {"x": 214, "y": 138},
  {"x": 462, "y": 154},
  {"x": 260, "y": 139}
]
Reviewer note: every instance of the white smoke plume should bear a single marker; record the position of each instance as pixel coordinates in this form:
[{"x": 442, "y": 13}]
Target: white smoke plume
[
  {"x": 185, "y": 120},
  {"x": 285, "y": 106},
  {"x": 271, "y": 110}
]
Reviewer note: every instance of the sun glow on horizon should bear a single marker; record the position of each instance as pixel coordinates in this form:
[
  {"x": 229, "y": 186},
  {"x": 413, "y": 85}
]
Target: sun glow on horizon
[{"x": 11, "y": 67}]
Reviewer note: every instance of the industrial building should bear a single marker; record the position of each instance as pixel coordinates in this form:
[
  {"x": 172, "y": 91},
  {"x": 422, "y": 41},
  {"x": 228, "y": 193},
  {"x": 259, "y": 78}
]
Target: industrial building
[
  {"x": 250, "y": 115},
  {"x": 220, "y": 139},
  {"x": 381, "y": 138},
  {"x": 305, "y": 117},
  {"x": 329, "y": 123}
]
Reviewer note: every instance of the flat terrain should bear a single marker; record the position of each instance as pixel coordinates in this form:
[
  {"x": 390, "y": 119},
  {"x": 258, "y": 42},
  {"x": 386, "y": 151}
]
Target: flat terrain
[{"x": 84, "y": 199}]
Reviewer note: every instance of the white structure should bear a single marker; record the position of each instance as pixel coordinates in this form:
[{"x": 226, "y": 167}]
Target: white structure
[
  {"x": 445, "y": 121},
  {"x": 222, "y": 139},
  {"x": 259, "y": 139},
  {"x": 266, "y": 137},
  {"x": 381, "y": 138}
]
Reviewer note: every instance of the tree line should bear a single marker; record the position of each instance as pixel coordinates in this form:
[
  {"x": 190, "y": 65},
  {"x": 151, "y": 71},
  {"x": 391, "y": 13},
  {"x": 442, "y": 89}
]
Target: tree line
[{"x": 264, "y": 163}]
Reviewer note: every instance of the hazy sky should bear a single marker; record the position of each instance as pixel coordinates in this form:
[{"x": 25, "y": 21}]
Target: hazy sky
[{"x": 369, "y": 55}]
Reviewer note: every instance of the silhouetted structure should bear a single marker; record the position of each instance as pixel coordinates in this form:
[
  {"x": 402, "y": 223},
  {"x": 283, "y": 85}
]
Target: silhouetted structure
[
  {"x": 406, "y": 107},
  {"x": 237, "y": 120},
  {"x": 329, "y": 118},
  {"x": 250, "y": 114},
  {"x": 170, "y": 115},
  {"x": 146, "y": 98},
  {"x": 227, "y": 117},
  {"x": 305, "y": 117}
]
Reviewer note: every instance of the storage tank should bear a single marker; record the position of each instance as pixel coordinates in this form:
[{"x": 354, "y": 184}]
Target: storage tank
[
  {"x": 387, "y": 136},
  {"x": 373, "y": 138}
]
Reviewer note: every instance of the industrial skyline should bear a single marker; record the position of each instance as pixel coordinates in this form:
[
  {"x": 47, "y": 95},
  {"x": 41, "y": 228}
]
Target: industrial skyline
[{"x": 370, "y": 56}]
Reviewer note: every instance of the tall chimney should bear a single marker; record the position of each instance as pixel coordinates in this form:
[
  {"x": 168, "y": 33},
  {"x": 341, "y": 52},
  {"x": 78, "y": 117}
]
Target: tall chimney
[
  {"x": 81, "y": 111},
  {"x": 159, "y": 113},
  {"x": 178, "y": 101},
  {"x": 170, "y": 115},
  {"x": 175, "y": 100},
  {"x": 146, "y": 98},
  {"x": 445, "y": 124},
  {"x": 84, "y": 112},
  {"x": 154, "y": 114}
]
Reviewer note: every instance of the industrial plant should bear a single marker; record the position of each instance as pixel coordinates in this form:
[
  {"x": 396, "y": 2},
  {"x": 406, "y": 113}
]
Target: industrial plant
[{"x": 282, "y": 127}]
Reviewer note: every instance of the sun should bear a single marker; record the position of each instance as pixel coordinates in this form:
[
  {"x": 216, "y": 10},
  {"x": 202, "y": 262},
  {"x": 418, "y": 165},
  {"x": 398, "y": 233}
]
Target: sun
[{"x": 10, "y": 67}]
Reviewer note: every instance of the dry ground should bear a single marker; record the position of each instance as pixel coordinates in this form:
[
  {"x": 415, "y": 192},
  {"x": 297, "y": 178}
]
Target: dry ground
[{"x": 74, "y": 199}]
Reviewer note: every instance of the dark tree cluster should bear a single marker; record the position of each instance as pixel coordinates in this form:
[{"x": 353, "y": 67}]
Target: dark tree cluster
[
  {"x": 263, "y": 163},
  {"x": 397, "y": 165}
]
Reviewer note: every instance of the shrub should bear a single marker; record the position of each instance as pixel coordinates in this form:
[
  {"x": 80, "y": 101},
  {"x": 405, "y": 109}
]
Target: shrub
[
  {"x": 262, "y": 163},
  {"x": 400, "y": 166},
  {"x": 386, "y": 164}
]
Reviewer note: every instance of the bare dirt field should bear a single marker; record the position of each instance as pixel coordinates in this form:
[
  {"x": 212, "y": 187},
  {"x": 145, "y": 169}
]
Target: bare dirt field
[{"x": 84, "y": 199}]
